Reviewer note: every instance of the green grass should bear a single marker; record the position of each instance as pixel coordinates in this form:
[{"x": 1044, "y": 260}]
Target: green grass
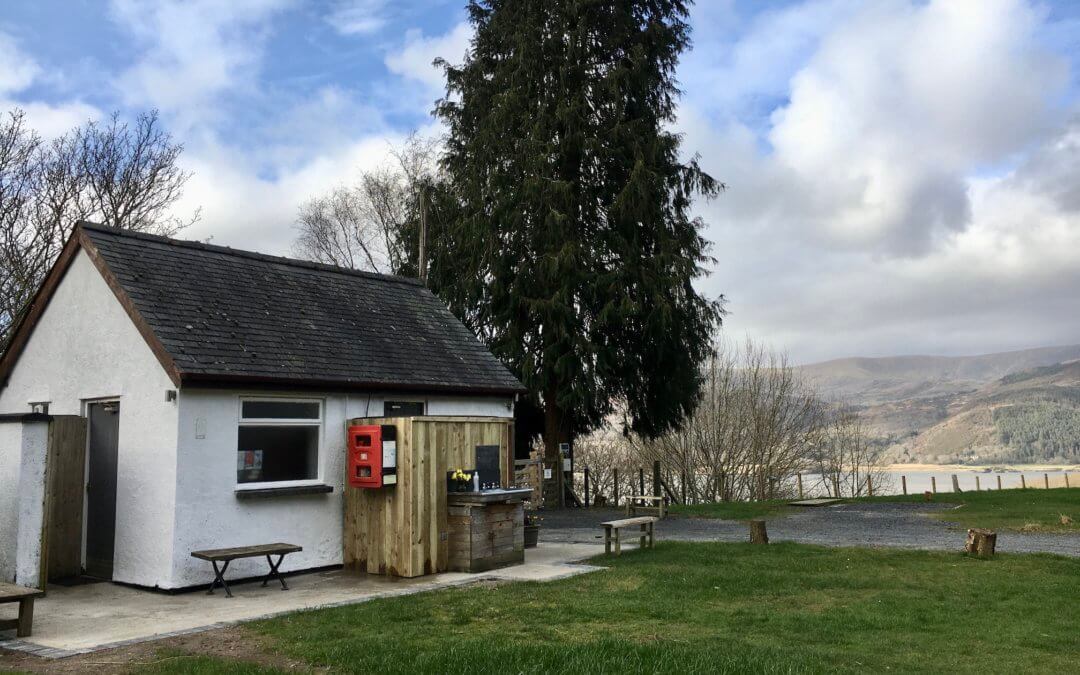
[
  {"x": 1029, "y": 510},
  {"x": 711, "y": 607}
]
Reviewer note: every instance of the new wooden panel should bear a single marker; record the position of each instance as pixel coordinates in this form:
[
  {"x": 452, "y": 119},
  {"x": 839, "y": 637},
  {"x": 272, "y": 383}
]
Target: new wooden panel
[
  {"x": 402, "y": 530},
  {"x": 65, "y": 481}
]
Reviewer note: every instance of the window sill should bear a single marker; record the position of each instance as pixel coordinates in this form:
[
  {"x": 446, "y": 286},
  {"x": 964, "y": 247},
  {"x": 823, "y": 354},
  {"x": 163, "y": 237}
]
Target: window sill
[{"x": 282, "y": 491}]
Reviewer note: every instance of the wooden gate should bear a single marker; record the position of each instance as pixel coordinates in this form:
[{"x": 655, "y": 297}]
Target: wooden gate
[{"x": 401, "y": 530}]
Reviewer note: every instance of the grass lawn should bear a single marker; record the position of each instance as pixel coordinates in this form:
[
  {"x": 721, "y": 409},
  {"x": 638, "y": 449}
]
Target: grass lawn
[
  {"x": 708, "y": 607},
  {"x": 1029, "y": 510}
]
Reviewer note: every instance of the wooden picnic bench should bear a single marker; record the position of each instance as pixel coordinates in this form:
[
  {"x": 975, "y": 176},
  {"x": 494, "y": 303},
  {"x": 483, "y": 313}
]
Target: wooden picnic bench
[
  {"x": 25, "y": 597},
  {"x": 646, "y": 523},
  {"x": 636, "y": 504},
  {"x": 227, "y": 555}
]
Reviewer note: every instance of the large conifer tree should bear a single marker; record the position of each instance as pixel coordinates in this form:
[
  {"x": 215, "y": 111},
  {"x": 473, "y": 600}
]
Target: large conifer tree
[{"x": 570, "y": 248}]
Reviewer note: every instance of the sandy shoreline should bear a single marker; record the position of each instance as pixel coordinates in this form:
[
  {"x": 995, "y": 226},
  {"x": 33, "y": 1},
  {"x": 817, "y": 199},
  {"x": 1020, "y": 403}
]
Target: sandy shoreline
[{"x": 955, "y": 468}]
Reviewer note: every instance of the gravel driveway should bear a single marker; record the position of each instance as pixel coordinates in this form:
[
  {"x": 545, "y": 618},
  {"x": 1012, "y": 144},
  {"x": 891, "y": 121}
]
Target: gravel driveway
[{"x": 901, "y": 525}]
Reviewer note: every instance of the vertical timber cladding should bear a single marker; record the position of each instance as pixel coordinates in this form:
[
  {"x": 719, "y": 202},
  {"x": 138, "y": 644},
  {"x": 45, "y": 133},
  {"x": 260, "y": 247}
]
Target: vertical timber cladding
[{"x": 401, "y": 530}]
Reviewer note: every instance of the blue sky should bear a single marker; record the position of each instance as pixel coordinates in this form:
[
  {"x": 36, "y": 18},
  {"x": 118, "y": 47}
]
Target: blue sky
[{"x": 900, "y": 172}]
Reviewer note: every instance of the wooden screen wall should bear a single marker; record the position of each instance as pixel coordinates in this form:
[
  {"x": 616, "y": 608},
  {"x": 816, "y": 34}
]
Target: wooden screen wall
[
  {"x": 401, "y": 529},
  {"x": 64, "y": 491}
]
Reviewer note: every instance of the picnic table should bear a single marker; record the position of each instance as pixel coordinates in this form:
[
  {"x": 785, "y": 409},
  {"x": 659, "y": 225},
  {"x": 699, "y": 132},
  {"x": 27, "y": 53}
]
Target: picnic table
[
  {"x": 25, "y": 597},
  {"x": 654, "y": 504},
  {"x": 227, "y": 555}
]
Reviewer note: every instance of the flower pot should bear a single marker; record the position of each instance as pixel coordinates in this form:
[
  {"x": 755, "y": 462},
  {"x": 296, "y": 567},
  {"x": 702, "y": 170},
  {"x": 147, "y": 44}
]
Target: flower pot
[{"x": 532, "y": 535}]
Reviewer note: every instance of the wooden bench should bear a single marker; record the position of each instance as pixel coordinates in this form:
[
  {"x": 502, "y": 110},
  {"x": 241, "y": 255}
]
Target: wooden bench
[
  {"x": 227, "y": 555},
  {"x": 637, "y": 504},
  {"x": 25, "y": 597},
  {"x": 646, "y": 523}
]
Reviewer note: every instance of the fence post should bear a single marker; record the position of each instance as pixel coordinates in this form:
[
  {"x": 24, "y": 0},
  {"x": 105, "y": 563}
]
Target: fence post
[
  {"x": 999, "y": 481},
  {"x": 978, "y": 488},
  {"x": 1023, "y": 482},
  {"x": 684, "y": 487},
  {"x": 1066, "y": 479},
  {"x": 586, "y": 487},
  {"x": 1046, "y": 480},
  {"x": 798, "y": 478},
  {"x": 641, "y": 480},
  {"x": 903, "y": 481},
  {"x": 933, "y": 484},
  {"x": 772, "y": 488},
  {"x": 869, "y": 486},
  {"x": 656, "y": 478},
  {"x": 956, "y": 484},
  {"x": 615, "y": 490}
]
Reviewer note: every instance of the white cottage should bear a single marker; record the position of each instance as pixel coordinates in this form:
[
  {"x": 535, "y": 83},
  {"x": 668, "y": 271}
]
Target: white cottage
[{"x": 216, "y": 385}]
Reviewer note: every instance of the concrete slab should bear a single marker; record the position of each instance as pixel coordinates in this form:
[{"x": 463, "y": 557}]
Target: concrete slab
[{"x": 86, "y": 618}]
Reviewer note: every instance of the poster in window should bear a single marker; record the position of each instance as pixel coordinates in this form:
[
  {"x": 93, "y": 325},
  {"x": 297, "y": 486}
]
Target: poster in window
[{"x": 249, "y": 464}]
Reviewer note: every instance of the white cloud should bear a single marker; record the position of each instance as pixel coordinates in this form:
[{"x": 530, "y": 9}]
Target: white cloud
[
  {"x": 194, "y": 52},
  {"x": 243, "y": 210},
  {"x": 414, "y": 60},
  {"x": 358, "y": 17},
  {"x": 864, "y": 219},
  {"x": 17, "y": 70}
]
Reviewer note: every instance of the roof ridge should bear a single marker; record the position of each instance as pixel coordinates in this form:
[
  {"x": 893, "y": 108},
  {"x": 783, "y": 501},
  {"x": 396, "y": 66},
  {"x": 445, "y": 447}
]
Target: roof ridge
[{"x": 242, "y": 253}]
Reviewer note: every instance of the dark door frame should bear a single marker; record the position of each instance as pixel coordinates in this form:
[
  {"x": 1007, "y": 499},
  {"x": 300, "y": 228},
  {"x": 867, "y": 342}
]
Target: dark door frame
[{"x": 87, "y": 521}]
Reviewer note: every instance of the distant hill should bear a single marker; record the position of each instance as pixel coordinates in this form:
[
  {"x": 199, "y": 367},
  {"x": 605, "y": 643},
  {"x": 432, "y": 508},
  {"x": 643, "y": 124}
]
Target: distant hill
[
  {"x": 896, "y": 378},
  {"x": 1012, "y": 407}
]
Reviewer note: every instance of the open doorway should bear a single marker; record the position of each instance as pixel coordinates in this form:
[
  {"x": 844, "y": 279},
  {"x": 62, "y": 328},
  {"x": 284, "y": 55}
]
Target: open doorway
[{"x": 102, "y": 449}]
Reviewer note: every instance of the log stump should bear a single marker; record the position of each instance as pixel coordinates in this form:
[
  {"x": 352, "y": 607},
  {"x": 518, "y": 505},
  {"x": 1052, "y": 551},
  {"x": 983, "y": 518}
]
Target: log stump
[
  {"x": 758, "y": 534},
  {"x": 981, "y": 543},
  {"x": 928, "y": 496}
]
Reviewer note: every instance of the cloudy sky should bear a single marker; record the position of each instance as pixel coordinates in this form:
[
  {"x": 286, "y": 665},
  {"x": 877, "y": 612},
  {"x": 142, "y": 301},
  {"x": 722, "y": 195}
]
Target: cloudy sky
[{"x": 903, "y": 176}]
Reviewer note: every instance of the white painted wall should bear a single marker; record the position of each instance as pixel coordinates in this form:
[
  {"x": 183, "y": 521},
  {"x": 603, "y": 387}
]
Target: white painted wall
[
  {"x": 10, "y": 463},
  {"x": 31, "y": 506},
  {"x": 86, "y": 347},
  {"x": 209, "y": 514}
]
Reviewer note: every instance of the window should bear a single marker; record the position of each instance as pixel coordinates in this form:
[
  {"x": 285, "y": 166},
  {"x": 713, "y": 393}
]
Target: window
[
  {"x": 278, "y": 440},
  {"x": 403, "y": 408}
]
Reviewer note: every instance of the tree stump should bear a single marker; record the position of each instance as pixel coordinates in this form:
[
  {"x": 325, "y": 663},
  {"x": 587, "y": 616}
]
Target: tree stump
[
  {"x": 758, "y": 534},
  {"x": 928, "y": 496},
  {"x": 980, "y": 542}
]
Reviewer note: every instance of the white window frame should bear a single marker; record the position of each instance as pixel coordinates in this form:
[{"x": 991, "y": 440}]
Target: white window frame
[{"x": 242, "y": 421}]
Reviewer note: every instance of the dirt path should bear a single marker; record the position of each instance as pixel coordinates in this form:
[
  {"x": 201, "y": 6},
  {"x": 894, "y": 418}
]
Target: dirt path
[
  {"x": 234, "y": 642},
  {"x": 900, "y": 525}
]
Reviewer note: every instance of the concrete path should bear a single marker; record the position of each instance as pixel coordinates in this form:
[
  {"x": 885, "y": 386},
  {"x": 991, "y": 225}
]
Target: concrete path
[
  {"x": 86, "y": 618},
  {"x": 900, "y": 525}
]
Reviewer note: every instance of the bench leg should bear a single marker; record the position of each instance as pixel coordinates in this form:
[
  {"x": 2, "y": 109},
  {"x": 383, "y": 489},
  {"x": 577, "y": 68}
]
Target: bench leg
[
  {"x": 651, "y": 540},
  {"x": 274, "y": 574},
  {"x": 618, "y": 542},
  {"x": 607, "y": 541},
  {"x": 644, "y": 533},
  {"x": 219, "y": 578},
  {"x": 26, "y": 617}
]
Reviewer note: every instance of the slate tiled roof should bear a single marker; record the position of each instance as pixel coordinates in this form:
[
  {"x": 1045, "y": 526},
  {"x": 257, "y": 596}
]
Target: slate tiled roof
[{"x": 227, "y": 315}]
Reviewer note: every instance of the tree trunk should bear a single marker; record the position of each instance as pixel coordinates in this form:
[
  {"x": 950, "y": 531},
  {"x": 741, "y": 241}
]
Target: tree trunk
[
  {"x": 758, "y": 533},
  {"x": 981, "y": 542},
  {"x": 554, "y": 434}
]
